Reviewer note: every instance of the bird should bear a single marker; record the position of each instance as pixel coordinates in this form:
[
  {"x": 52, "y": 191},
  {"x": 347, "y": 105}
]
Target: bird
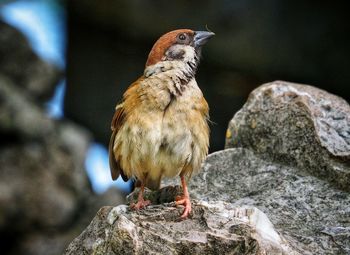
[{"x": 160, "y": 128}]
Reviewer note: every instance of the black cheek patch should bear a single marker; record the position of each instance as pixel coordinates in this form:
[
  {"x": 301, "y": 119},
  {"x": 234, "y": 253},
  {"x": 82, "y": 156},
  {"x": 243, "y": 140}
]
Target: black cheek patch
[{"x": 175, "y": 54}]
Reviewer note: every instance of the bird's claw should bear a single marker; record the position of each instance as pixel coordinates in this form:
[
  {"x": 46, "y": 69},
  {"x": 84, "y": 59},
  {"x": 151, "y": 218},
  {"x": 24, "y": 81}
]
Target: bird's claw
[
  {"x": 140, "y": 204},
  {"x": 185, "y": 201}
]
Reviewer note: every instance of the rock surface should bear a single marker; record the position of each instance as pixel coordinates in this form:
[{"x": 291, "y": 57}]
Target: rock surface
[
  {"x": 297, "y": 125},
  {"x": 312, "y": 215},
  {"x": 41, "y": 164},
  {"x": 53, "y": 241},
  {"x": 43, "y": 185},
  {"x": 278, "y": 173},
  {"x": 23, "y": 67},
  {"x": 214, "y": 228},
  {"x": 45, "y": 196}
]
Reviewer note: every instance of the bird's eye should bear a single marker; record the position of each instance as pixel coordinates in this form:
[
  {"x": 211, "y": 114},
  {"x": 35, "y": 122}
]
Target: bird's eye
[{"x": 182, "y": 37}]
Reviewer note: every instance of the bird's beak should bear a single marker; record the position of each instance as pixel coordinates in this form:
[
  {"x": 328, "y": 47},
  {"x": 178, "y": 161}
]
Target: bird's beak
[{"x": 201, "y": 37}]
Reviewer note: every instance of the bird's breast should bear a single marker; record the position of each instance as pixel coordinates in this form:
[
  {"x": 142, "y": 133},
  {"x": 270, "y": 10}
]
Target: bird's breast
[{"x": 164, "y": 133}]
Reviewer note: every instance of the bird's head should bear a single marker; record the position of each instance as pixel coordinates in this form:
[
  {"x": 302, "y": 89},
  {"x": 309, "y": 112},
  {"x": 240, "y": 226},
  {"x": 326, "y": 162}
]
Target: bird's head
[{"x": 177, "y": 49}]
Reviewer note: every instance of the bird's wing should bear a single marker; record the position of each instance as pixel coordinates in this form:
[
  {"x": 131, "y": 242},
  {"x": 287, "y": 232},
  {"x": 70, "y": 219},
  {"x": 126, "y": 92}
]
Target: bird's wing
[{"x": 117, "y": 122}]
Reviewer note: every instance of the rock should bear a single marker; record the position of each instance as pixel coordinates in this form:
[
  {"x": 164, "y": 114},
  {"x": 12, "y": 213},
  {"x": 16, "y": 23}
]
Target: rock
[
  {"x": 43, "y": 185},
  {"x": 23, "y": 67},
  {"x": 45, "y": 196},
  {"x": 42, "y": 177},
  {"x": 276, "y": 167},
  {"x": 214, "y": 228},
  {"x": 54, "y": 241},
  {"x": 20, "y": 117},
  {"x": 41, "y": 165},
  {"x": 297, "y": 125},
  {"x": 312, "y": 215}
]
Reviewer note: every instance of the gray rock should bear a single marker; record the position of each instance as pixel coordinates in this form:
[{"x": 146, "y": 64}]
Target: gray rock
[
  {"x": 298, "y": 125},
  {"x": 214, "y": 228},
  {"x": 293, "y": 135},
  {"x": 43, "y": 184},
  {"x": 54, "y": 241},
  {"x": 42, "y": 175},
  {"x": 41, "y": 165},
  {"x": 312, "y": 215},
  {"x": 20, "y": 116},
  {"x": 23, "y": 67},
  {"x": 45, "y": 196}
]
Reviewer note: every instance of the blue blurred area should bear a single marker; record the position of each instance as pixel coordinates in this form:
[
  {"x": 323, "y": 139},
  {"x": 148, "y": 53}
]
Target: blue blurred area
[
  {"x": 54, "y": 106},
  {"x": 97, "y": 166},
  {"x": 43, "y": 22},
  {"x": 44, "y": 25}
]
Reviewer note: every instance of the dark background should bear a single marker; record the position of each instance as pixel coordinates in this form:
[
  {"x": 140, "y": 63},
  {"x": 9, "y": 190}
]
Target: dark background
[{"x": 255, "y": 42}]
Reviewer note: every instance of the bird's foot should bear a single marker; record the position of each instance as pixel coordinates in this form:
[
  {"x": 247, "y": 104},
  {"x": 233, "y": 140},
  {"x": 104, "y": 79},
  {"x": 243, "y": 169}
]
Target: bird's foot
[
  {"x": 140, "y": 204},
  {"x": 185, "y": 201}
]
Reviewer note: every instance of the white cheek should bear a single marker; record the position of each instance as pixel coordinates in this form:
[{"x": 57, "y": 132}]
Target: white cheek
[{"x": 189, "y": 53}]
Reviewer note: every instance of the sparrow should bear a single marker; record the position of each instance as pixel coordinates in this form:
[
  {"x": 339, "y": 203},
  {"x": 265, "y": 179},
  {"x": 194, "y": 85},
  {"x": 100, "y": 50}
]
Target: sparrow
[{"x": 160, "y": 129}]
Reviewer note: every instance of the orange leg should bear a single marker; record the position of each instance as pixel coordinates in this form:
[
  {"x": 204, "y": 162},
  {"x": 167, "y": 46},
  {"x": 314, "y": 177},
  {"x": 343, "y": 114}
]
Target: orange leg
[
  {"x": 184, "y": 200},
  {"x": 141, "y": 203}
]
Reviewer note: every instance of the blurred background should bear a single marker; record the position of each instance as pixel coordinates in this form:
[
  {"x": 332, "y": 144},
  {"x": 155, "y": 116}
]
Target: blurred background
[{"x": 65, "y": 64}]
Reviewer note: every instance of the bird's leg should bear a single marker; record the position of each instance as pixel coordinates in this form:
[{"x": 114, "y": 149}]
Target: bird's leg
[
  {"x": 184, "y": 200},
  {"x": 141, "y": 203}
]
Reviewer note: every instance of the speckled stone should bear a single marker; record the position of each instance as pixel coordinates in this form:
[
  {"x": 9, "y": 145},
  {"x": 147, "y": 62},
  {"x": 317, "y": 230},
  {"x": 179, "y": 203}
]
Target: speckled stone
[
  {"x": 288, "y": 136},
  {"x": 311, "y": 214},
  {"x": 214, "y": 228},
  {"x": 298, "y": 125}
]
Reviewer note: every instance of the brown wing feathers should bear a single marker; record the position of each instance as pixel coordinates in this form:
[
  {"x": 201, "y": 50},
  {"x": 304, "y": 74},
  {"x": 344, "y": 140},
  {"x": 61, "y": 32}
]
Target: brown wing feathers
[{"x": 117, "y": 121}]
